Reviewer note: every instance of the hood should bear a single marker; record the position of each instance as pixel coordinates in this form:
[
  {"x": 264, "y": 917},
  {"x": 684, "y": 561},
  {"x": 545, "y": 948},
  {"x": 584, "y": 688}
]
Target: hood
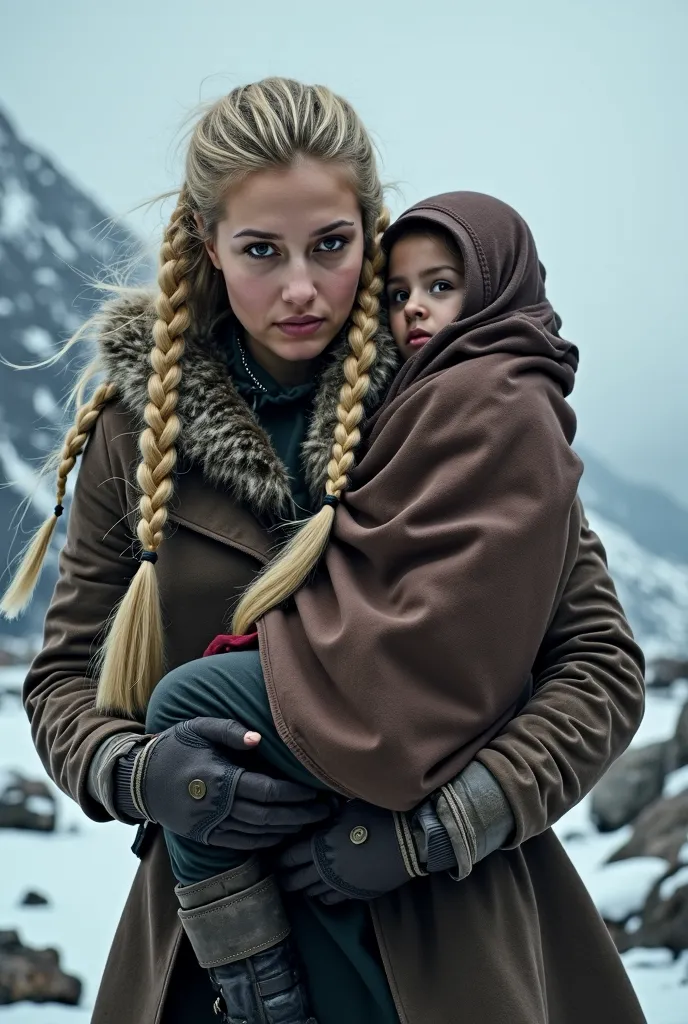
[{"x": 505, "y": 308}]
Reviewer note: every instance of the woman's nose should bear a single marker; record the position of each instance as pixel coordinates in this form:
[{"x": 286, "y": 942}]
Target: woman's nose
[{"x": 299, "y": 288}]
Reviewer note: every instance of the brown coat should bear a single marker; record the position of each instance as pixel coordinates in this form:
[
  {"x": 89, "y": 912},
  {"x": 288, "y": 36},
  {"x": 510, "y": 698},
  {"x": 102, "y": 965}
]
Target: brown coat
[{"x": 517, "y": 941}]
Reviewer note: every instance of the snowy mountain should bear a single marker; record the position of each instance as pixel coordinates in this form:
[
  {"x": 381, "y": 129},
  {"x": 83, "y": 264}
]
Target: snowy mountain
[
  {"x": 645, "y": 533},
  {"x": 53, "y": 242}
]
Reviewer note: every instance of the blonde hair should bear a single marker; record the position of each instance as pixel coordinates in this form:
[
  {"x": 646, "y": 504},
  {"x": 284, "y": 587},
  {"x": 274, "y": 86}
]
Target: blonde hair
[{"x": 265, "y": 124}]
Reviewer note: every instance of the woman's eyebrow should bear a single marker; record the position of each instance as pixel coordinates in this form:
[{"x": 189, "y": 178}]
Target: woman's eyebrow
[
  {"x": 272, "y": 236},
  {"x": 332, "y": 227}
]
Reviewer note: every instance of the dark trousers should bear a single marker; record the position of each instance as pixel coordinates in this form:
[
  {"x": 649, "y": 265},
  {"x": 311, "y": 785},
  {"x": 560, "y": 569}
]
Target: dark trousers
[{"x": 337, "y": 944}]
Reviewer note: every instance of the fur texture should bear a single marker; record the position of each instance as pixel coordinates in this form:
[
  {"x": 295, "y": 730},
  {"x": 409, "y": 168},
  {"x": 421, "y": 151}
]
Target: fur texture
[{"x": 219, "y": 432}]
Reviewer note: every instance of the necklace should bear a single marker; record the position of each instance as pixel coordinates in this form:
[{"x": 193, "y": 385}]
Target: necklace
[{"x": 255, "y": 380}]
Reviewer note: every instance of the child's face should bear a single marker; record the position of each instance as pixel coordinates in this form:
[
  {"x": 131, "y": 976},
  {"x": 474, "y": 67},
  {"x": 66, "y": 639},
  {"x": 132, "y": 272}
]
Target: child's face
[{"x": 425, "y": 289}]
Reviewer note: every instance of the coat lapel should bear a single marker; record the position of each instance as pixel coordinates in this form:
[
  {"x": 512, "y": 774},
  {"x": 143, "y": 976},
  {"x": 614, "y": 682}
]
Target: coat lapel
[{"x": 215, "y": 514}]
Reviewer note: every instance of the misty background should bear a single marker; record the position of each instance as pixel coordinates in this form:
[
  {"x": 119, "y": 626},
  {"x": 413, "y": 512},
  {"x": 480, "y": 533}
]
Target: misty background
[{"x": 573, "y": 112}]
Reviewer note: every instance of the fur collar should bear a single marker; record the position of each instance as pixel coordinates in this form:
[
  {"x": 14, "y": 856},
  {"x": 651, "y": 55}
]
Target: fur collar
[{"x": 219, "y": 432}]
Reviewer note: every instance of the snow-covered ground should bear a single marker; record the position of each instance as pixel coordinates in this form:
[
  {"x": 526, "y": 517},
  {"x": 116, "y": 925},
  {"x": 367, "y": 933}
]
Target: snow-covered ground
[{"x": 86, "y": 869}]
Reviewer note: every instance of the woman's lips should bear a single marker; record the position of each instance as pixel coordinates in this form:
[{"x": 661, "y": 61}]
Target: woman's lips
[
  {"x": 417, "y": 337},
  {"x": 300, "y": 326}
]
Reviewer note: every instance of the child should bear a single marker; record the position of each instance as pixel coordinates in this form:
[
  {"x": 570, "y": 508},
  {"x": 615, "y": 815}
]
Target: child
[{"x": 425, "y": 285}]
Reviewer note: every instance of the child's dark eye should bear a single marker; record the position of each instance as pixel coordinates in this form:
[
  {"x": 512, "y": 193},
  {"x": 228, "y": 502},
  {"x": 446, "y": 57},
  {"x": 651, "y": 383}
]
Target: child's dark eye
[
  {"x": 260, "y": 250},
  {"x": 398, "y": 296},
  {"x": 441, "y": 286},
  {"x": 331, "y": 244}
]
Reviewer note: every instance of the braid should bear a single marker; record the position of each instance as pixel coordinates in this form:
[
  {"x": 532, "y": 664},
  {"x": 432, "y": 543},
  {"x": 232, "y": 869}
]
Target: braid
[
  {"x": 356, "y": 368},
  {"x": 20, "y": 591},
  {"x": 292, "y": 567},
  {"x": 132, "y": 656}
]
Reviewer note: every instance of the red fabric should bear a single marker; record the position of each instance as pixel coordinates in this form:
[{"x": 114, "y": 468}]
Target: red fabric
[{"x": 225, "y": 643}]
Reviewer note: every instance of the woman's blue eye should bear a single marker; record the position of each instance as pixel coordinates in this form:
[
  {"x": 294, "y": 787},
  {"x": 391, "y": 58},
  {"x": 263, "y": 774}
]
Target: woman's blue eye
[
  {"x": 332, "y": 244},
  {"x": 260, "y": 250},
  {"x": 442, "y": 286}
]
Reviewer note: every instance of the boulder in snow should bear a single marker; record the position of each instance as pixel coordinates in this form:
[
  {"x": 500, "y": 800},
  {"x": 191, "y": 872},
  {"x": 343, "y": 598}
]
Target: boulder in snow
[
  {"x": 26, "y": 803},
  {"x": 33, "y": 975},
  {"x": 660, "y": 831},
  {"x": 664, "y": 921},
  {"x": 34, "y": 899},
  {"x": 632, "y": 782},
  {"x": 665, "y": 671},
  {"x": 680, "y": 741}
]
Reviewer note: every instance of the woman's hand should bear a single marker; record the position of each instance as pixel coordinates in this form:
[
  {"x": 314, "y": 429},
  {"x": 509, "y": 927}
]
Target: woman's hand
[
  {"x": 368, "y": 851},
  {"x": 185, "y": 779}
]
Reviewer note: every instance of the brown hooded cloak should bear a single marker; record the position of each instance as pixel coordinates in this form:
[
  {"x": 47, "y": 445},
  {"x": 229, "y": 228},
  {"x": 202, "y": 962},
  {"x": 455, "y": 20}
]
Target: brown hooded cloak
[{"x": 411, "y": 647}]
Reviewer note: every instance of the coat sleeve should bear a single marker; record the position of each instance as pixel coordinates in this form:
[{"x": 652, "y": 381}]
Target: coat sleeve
[
  {"x": 587, "y": 704},
  {"x": 95, "y": 568}
]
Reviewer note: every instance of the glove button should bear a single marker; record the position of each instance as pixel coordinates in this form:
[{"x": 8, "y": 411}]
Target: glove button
[
  {"x": 358, "y": 835},
  {"x": 197, "y": 789}
]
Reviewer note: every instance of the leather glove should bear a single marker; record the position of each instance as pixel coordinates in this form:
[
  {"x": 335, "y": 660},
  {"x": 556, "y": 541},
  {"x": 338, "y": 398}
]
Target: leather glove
[
  {"x": 185, "y": 779},
  {"x": 369, "y": 851},
  {"x": 366, "y": 852}
]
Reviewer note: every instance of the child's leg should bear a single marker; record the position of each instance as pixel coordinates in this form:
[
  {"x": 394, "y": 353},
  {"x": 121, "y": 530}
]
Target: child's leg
[
  {"x": 231, "y": 912},
  {"x": 223, "y": 686}
]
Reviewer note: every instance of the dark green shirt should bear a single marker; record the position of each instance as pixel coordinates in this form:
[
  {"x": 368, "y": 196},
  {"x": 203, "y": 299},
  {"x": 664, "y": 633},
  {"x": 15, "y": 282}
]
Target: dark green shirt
[{"x": 283, "y": 412}]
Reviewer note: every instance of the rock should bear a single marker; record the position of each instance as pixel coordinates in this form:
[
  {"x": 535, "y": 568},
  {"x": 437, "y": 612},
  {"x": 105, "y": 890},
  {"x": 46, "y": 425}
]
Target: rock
[
  {"x": 26, "y": 804},
  {"x": 665, "y": 671},
  {"x": 660, "y": 831},
  {"x": 680, "y": 741},
  {"x": 664, "y": 921},
  {"x": 632, "y": 782},
  {"x": 33, "y": 975},
  {"x": 34, "y": 899}
]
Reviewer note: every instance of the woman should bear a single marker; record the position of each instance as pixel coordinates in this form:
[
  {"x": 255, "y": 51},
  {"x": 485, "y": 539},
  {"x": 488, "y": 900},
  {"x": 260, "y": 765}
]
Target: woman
[{"x": 228, "y": 492}]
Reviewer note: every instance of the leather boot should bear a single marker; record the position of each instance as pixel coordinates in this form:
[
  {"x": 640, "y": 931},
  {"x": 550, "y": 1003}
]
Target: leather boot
[{"x": 239, "y": 931}]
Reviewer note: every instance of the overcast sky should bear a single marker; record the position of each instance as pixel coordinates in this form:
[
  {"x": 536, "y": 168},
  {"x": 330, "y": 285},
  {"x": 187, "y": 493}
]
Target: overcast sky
[{"x": 574, "y": 111}]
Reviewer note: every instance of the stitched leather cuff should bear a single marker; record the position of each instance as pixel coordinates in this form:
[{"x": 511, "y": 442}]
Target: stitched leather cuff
[
  {"x": 228, "y": 883},
  {"x": 237, "y": 926},
  {"x": 476, "y": 815}
]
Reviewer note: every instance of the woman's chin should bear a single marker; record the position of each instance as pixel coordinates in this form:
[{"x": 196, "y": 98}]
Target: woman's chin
[{"x": 297, "y": 350}]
